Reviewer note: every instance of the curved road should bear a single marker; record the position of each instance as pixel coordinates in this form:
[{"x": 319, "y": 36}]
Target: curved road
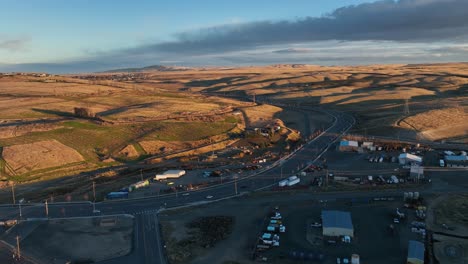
[{"x": 145, "y": 208}]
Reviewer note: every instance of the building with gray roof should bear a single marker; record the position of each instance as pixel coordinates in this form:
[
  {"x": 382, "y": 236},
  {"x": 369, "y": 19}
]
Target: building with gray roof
[
  {"x": 415, "y": 252},
  {"x": 337, "y": 224}
]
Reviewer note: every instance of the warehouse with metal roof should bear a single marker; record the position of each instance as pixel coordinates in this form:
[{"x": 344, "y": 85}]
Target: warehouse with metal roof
[
  {"x": 415, "y": 252},
  {"x": 406, "y": 158},
  {"x": 337, "y": 224}
]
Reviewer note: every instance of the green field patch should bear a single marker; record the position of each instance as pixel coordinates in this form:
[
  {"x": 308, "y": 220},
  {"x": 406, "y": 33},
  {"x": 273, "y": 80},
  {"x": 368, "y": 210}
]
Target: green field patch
[{"x": 189, "y": 131}]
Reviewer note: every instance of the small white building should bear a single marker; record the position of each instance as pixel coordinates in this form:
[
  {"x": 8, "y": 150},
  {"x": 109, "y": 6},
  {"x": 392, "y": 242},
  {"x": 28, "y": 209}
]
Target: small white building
[
  {"x": 170, "y": 174},
  {"x": 406, "y": 158}
]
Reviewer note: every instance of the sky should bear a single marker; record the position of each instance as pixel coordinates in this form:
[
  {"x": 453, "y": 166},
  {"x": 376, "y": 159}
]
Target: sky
[{"x": 86, "y": 35}]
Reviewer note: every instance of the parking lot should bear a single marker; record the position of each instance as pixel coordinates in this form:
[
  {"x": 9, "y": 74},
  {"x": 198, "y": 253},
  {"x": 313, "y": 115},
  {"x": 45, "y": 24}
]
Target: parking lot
[{"x": 373, "y": 240}]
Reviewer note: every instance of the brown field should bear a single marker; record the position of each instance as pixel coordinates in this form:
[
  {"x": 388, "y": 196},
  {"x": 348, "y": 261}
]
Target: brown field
[
  {"x": 151, "y": 112},
  {"x": 440, "y": 123},
  {"x": 375, "y": 94},
  {"x": 39, "y": 155},
  {"x": 261, "y": 115}
]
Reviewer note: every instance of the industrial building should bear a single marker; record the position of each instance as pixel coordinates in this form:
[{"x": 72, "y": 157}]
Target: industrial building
[
  {"x": 416, "y": 172},
  {"x": 170, "y": 174},
  {"x": 406, "y": 158},
  {"x": 456, "y": 158},
  {"x": 415, "y": 252},
  {"x": 337, "y": 224},
  {"x": 346, "y": 145},
  {"x": 457, "y": 161}
]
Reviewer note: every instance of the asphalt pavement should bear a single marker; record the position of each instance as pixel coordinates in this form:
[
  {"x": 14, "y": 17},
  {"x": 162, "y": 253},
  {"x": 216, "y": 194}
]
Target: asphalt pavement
[{"x": 148, "y": 243}]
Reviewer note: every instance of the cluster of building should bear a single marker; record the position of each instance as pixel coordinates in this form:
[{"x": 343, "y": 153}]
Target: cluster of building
[
  {"x": 352, "y": 145},
  {"x": 25, "y": 74},
  {"x": 452, "y": 160}
]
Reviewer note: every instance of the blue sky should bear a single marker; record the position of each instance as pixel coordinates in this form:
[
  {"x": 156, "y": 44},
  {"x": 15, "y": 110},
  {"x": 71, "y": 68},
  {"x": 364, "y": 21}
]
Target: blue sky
[{"x": 94, "y": 35}]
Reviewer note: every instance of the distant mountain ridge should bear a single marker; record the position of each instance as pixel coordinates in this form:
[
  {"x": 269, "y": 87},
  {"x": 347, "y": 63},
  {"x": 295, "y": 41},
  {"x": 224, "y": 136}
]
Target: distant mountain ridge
[{"x": 149, "y": 68}]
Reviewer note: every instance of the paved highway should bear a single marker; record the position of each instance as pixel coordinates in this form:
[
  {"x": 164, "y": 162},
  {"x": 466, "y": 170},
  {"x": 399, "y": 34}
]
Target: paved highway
[{"x": 148, "y": 245}]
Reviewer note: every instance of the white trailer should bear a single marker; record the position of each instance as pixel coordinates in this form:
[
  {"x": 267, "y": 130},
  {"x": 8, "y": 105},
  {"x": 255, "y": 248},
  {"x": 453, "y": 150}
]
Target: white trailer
[
  {"x": 170, "y": 174},
  {"x": 283, "y": 183},
  {"x": 292, "y": 178},
  {"x": 294, "y": 182}
]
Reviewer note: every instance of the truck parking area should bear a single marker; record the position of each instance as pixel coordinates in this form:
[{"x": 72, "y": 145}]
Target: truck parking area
[{"x": 374, "y": 241}]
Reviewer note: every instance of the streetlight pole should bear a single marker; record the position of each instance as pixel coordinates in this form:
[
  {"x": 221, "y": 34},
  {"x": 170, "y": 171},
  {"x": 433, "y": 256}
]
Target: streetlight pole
[
  {"x": 18, "y": 251},
  {"x": 235, "y": 184},
  {"x": 46, "y": 208},
  {"x": 94, "y": 191},
  {"x": 13, "y": 193},
  {"x": 20, "y": 211},
  {"x": 326, "y": 175},
  {"x": 94, "y": 196}
]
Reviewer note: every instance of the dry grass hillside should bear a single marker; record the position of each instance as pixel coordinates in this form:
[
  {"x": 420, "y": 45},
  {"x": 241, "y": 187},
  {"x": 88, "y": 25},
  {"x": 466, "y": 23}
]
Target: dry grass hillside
[
  {"x": 376, "y": 94},
  {"x": 147, "y": 113},
  {"x": 40, "y": 133}
]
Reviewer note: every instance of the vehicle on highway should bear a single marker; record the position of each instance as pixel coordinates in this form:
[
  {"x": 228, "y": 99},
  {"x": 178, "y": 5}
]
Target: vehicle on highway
[
  {"x": 185, "y": 194},
  {"x": 209, "y": 197}
]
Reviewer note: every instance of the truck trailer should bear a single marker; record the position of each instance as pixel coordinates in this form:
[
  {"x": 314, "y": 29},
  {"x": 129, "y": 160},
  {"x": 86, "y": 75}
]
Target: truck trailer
[
  {"x": 283, "y": 183},
  {"x": 293, "y": 182}
]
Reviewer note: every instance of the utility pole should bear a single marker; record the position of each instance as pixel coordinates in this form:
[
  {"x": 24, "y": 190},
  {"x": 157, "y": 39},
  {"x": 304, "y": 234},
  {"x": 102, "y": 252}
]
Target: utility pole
[
  {"x": 13, "y": 193},
  {"x": 20, "y": 211},
  {"x": 18, "y": 251},
  {"x": 406, "y": 110},
  {"x": 46, "y": 209},
  {"x": 235, "y": 185},
  {"x": 94, "y": 196},
  {"x": 141, "y": 174},
  {"x": 94, "y": 191},
  {"x": 326, "y": 177}
]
